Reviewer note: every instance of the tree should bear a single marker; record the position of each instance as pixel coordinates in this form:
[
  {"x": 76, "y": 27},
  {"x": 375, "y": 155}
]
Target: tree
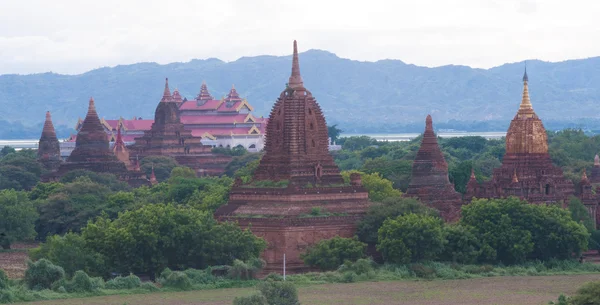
[
  {"x": 329, "y": 254},
  {"x": 241, "y": 166},
  {"x": 279, "y": 293},
  {"x": 511, "y": 230},
  {"x": 580, "y": 213},
  {"x": 411, "y": 237},
  {"x": 17, "y": 217},
  {"x": 44, "y": 190},
  {"x": 14, "y": 177},
  {"x": 334, "y": 133},
  {"x": 588, "y": 294},
  {"x": 72, "y": 207},
  {"x": 162, "y": 165},
  {"x": 460, "y": 174},
  {"x": 182, "y": 172},
  {"x": 106, "y": 179},
  {"x": 154, "y": 237},
  {"x": 378, "y": 187},
  {"x": 358, "y": 143},
  {"x": 212, "y": 195},
  {"x": 389, "y": 208},
  {"x": 397, "y": 171},
  {"x": 6, "y": 150},
  {"x": 462, "y": 245}
]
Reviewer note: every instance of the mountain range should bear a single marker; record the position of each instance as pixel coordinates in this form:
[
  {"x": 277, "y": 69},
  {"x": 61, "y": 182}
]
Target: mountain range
[{"x": 381, "y": 96}]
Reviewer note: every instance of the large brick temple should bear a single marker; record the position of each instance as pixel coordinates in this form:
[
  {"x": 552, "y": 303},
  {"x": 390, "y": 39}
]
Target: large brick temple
[
  {"x": 48, "y": 146},
  {"x": 297, "y": 196},
  {"x": 92, "y": 152},
  {"x": 527, "y": 170},
  {"x": 429, "y": 181}
]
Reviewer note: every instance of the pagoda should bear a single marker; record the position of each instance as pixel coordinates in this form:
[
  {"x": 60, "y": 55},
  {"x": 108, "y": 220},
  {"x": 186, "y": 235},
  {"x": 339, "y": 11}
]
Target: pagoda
[
  {"x": 595, "y": 176},
  {"x": 297, "y": 196},
  {"x": 49, "y": 147},
  {"x": 429, "y": 182},
  {"x": 168, "y": 137},
  {"x": 527, "y": 170},
  {"x": 588, "y": 197},
  {"x": 91, "y": 151}
]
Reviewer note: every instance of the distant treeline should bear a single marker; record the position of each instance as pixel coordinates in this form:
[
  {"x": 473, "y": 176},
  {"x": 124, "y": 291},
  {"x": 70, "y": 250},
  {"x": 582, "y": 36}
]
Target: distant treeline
[{"x": 16, "y": 130}]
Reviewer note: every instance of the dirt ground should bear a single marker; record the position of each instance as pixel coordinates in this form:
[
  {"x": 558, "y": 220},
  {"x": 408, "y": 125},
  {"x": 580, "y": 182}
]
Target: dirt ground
[
  {"x": 525, "y": 290},
  {"x": 13, "y": 262}
]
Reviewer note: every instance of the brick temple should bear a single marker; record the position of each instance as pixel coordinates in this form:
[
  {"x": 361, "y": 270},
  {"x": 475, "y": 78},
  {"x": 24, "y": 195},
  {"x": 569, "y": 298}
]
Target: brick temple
[
  {"x": 429, "y": 181},
  {"x": 527, "y": 170},
  {"x": 48, "y": 146},
  {"x": 168, "y": 137},
  {"x": 311, "y": 202},
  {"x": 92, "y": 152}
]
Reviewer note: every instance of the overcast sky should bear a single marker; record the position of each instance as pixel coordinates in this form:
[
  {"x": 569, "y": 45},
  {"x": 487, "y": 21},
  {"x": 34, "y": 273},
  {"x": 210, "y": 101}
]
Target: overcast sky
[{"x": 74, "y": 36}]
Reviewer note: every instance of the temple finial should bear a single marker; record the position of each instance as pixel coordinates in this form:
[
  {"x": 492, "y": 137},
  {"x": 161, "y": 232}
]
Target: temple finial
[
  {"x": 472, "y": 173},
  {"x": 525, "y": 78},
  {"x": 91, "y": 105},
  {"x": 167, "y": 92},
  {"x": 428, "y": 123},
  {"x": 525, "y": 109},
  {"x": 515, "y": 179},
  {"x": 295, "y": 78},
  {"x": 584, "y": 175},
  {"x": 48, "y": 116}
]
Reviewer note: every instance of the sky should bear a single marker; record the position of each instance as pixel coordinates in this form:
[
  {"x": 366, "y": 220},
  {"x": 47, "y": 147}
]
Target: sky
[{"x": 74, "y": 36}]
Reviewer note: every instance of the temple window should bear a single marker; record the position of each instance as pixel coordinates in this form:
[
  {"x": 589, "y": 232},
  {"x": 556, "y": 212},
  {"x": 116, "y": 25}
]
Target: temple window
[
  {"x": 309, "y": 111},
  {"x": 313, "y": 143},
  {"x": 312, "y": 126},
  {"x": 547, "y": 189}
]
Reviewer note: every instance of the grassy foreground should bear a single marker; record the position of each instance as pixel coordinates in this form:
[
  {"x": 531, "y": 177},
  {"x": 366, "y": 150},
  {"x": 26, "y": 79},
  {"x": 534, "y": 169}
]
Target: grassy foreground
[{"x": 517, "y": 290}]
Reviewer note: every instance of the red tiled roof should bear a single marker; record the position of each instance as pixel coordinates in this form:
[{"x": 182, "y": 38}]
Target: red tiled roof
[
  {"x": 221, "y": 131},
  {"x": 193, "y": 105},
  {"x": 213, "y": 119},
  {"x": 224, "y": 108}
]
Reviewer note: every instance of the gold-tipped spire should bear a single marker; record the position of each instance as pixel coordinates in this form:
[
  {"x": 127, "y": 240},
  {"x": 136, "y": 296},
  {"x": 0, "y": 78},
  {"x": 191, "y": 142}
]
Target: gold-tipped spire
[
  {"x": 596, "y": 160},
  {"x": 515, "y": 179},
  {"x": 295, "y": 79},
  {"x": 525, "y": 109},
  {"x": 584, "y": 175}
]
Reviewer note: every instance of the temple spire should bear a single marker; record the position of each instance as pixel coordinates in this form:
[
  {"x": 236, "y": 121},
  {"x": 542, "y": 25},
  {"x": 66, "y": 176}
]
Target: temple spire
[
  {"x": 153, "y": 177},
  {"x": 295, "y": 79},
  {"x": 525, "y": 109},
  {"x": 48, "y": 130},
  {"x": 515, "y": 179},
  {"x": 428, "y": 123},
  {"x": 596, "y": 160},
  {"x": 91, "y": 109},
  {"x": 119, "y": 138},
  {"x": 167, "y": 92},
  {"x": 472, "y": 174}
]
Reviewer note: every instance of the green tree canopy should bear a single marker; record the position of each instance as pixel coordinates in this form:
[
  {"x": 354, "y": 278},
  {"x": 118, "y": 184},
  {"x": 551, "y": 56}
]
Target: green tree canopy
[
  {"x": 17, "y": 217},
  {"x": 329, "y": 254},
  {"x": 378, "y": 187}
]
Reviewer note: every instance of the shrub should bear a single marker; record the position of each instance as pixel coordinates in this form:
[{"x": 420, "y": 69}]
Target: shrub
[
  {"x": 274, "y": 277},
  {"x": 588, "y": 294},
  {"x": 7, "y": 296},
  {"x": 128, "y": 282},
  {"x": 41, "y": 274},
  {"x": 361, "y": 266},
  {"x": 255, "y": 299},
  {"x": 279, "y": 293},
  {"x": 3, "y": 280},
  {"x": 200, "y": 276},
  {"x": 594, "y": 241},
  {"x": 81, "y": 282},
  {"x": 422, "y": 271},
  {"x": 462, "y": 245},
  {"x": 245, "y": 271},
  {"x": 149, "y": 286},
  {"x": 178, "y": 280},
  {"x": 411, "y": 237},
  {"x": 329, "y": 254}
]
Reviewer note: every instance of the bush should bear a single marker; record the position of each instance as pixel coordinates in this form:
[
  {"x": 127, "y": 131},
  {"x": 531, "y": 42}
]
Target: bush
[
  {"x": 462, "y": 245},
  {"x": 3, "y": 280},
  {"x": 422, "y": 271},
  {"x": 274, "y": 277},
  {"x": 149, "y": 286},
  {"x": 588, "y": 294},
  {"x": 329, "y": 254},
  {"x": 81, "y": 282},
  {"x": 177, "y": 280},
  {"x": 128, "y": 282},
  {"x": 7, "y": 296},
  {"x": 41, "y": 274},
  {"x": 411, "y": 237},
  {"x": 279, "y": 293},
  {"x": 245, "y": 271},
  {"x": 255, "y": 299},
  {"x": 361, "y": 266},
  {"x": 199, "y": 276}
]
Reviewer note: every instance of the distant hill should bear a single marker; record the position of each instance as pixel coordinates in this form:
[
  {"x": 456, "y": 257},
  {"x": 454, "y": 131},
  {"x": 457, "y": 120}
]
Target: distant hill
[{"x": 382, "y": 96}]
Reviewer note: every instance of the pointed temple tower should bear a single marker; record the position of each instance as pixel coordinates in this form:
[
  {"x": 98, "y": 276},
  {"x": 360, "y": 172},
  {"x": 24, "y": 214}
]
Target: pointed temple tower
[
  {"x": 121, "y": 151},
  {"x": 296, "y": 176},
  {"x": 595, "y": 176},
  {"x": 92, "y": 150},
  {"x": 429, "y": 182},
  {"x": 527, "y": 158},
  {"x": 49, "y": 147},
  {"x": 168, "y": 137}
]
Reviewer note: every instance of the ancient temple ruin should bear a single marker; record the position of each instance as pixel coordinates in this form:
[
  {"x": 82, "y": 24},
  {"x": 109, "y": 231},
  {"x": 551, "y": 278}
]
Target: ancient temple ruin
[
  {"x": 297, "y": 195},
  {"x": 429, "y": 182},
  {"x": 49, "y": 147}
]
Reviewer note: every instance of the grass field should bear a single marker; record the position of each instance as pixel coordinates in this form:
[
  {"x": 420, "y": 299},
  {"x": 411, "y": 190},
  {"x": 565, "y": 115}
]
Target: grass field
[{"x": 518, "y": 290}]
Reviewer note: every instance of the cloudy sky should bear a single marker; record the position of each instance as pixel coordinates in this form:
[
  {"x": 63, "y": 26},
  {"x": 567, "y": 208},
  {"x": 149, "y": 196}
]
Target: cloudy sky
[{"x": 73, "y": 36}]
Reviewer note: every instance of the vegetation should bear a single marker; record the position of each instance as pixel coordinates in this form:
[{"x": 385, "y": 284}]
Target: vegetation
[
  {"x": 17, "y": 217},
  {"x": 329, "y": 254},
  {"x": 379, "y": 188},
  {"x": 588, "y": 294}
]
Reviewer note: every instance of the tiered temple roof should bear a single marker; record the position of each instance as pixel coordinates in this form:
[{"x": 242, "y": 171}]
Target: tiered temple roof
[
  {"x": 296, "y": 154},
  {"x": 526, "y": 158},
  {"x": 429, "y": 181},
  {"x": 49, "y": 147}
]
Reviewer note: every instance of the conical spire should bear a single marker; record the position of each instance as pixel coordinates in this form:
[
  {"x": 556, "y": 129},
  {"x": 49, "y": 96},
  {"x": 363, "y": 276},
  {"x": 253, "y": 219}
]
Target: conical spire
[
  {"x": 91, "y": 142},
  {"x": 428, "y": 123},
  {"x": 515, "y": 179},
  {"x": 596, "y": 160},
  {"x": 48, "y": 130},
  {"x": 153, "y": 176},
  {"x": 295, "y": 79},
  {"x": 204, "y": 95},
  {"x": 473, "y": 174},
  {"x": 584, "y": 175},
  {"x": 525, "y": 109},
  {"x": 167, "y": 93}
]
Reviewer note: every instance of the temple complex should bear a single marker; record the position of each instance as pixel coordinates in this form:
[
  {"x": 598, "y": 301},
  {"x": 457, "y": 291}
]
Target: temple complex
[
  {"x": 429, "y": 182},
  {"x": 168, "y": 137},
  {"x": 226, "y": 122},
  {"x": 527, "y": 170},
  {"x": 297, "y": 196},
  {"x": 49, "y": 147}
]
